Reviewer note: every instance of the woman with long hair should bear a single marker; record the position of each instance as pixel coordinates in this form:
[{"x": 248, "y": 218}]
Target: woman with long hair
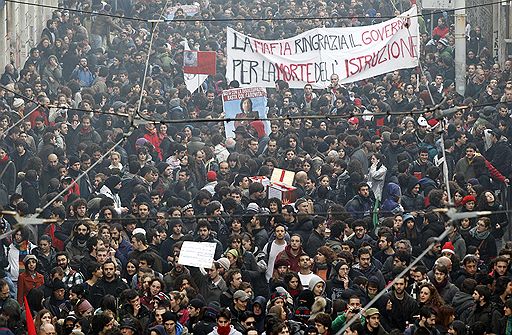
[
  {"x": 183, "y": 282},
  {"x": 445, "y": 318},
  {"x": 107, "y": 215},
  {"x": 156, "y": 285},
  {"x": 292, "y": 284},
  {"x": 42, "y": 317},
  {"x": 179, "y": 303},
  {"x": 130, "y": 270},
  {"x": 275, "y": 206},
  {"x": 236, "y": 228},
  {"x": 480, "y": 236},
  {"x": 410, "y": 230},
  {"x": 429, "y": 296}
]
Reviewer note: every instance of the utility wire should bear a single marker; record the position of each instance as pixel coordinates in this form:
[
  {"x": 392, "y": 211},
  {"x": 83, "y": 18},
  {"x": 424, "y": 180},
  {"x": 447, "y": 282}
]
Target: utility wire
[
  {"x": 60, "y": 8},
  {"x": 223, "y": 216},
  {"x": 264, "y": 214},
  {"x": 295, "y": 18},
  {"x": 305, "y": 117},
  {"x": 60, "y": 107},
  {"x": 279, "y": 118}
]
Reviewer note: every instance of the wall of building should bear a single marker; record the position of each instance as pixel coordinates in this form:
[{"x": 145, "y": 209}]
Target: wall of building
[{"x": 20, "y": 29}]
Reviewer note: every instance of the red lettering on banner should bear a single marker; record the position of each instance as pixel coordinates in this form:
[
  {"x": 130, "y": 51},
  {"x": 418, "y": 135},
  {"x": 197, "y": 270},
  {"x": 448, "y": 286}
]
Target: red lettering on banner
[
  {"x": 395, "y": 50},
  {"x": 382, "y": 33},
  {"x": 271, "y": 48},
  {"x": 298, "y": 72}
]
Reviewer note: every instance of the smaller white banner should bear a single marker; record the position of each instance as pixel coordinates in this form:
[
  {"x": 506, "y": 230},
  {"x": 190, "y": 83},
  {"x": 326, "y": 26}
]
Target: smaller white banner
[{"x": 198, "y": 254}]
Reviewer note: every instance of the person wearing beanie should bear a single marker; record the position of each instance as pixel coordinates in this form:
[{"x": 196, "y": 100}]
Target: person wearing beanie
[
  {"x": 84, "y": 309},
  {"x": 468, "y": 198},
  {"x": 110, "y": 189},
  {"x": 165, "y": 178},
  {"x": 340, "y": 282},
  {"x": 129, "y": 326},
  {"x": 57, "y": 304},
  {"x": 211, "y": 178},
  {"x": 208, "y": 321},
  {"x": 448, "y": 249},
  {"x": 195, "y": 309},
  {"x": 29, "y": 279}
]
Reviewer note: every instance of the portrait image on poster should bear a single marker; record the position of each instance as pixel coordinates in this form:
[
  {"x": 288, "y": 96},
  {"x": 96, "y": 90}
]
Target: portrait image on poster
[{"x": 240, "y": 103}]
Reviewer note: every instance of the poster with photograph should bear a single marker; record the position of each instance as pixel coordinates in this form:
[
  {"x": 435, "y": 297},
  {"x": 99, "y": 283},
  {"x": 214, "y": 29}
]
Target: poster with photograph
[{"x": 242, "y": 103}]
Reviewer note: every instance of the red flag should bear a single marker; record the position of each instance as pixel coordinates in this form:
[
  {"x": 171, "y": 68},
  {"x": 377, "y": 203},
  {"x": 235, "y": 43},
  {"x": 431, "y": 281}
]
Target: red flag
[
  {"x": 31, "y": 327},
  {"x": 199, "y": 62}
]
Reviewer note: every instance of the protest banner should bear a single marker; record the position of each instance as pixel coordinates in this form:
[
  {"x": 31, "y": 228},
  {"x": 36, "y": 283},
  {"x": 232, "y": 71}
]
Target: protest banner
[
  {"x": 243, "y": 103},
  {"x": 353, "y": 53},
  {"x": 198, "y": 254},
  {"x": 188, "y": 10}
]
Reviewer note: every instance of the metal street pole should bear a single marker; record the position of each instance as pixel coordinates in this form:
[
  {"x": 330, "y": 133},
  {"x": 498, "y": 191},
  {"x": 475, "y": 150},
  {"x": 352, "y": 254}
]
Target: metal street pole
[{"x": 460, "y": 47}]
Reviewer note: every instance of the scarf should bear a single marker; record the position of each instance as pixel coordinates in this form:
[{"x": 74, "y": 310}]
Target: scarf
[
  {"x": 479, "y": 236},
  {"x": 441, "y": 285},
  {"x": 23, "y": 251},
  {"x": 321, "y": 271},
  {"x": 4, "y": 160},
  {"x": 225, "y": 330}
]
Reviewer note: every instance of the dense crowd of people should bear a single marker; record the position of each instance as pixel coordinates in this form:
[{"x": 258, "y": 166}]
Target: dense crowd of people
[{"x": 368, "y": 193}]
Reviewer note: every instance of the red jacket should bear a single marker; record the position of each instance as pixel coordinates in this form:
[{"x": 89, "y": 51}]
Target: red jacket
[
  {"x": 26, "y": 282},
  {"x": 286, "y": 254},
  {"x": 39, "y": 112},
  {"x": 155, "y": 140}
]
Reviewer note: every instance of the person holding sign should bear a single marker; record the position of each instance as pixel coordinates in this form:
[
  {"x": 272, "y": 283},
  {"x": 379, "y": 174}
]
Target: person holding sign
[{"x": 246, "y": 111}]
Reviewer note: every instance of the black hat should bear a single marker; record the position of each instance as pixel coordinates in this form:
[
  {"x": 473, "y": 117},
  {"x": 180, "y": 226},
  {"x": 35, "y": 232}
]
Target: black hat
[
  {"x": 197, "y": 303},
  {"x": 73, "y": 160},
  {"x": 57, "y": 285},
  {"x": 112, "y": 181},
  {"x": 169, "y": 316},
  {"x": 212, "y": 310},
  {"x": 161, "y": 167},
  {"x": 128, "y": 323}
]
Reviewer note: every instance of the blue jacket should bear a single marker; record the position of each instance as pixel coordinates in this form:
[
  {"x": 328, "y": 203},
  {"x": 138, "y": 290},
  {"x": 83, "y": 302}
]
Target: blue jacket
[{"x": 84, "y": 76}]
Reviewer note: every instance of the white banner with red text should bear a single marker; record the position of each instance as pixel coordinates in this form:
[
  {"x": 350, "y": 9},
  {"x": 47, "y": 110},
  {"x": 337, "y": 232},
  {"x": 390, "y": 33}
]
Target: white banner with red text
[{"x": 353, "y": 53}]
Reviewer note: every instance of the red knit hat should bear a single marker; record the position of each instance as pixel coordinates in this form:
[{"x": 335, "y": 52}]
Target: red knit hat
[
  {"x": 448, "y": 247},
  {"x": 468, "y": 198},
  {"x": 211, "y": 176}
]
